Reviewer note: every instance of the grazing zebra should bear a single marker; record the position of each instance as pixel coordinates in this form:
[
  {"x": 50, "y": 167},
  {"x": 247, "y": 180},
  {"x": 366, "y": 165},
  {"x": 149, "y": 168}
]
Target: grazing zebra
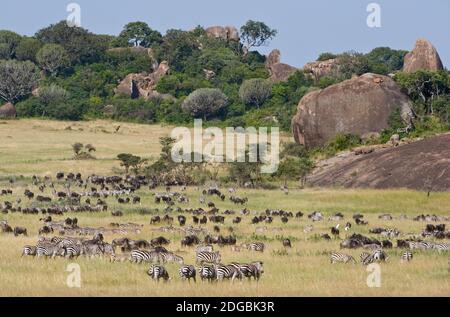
[
  {"x": 254, "y": 269},
  {"x": 207, "y": 273},
  {"x": 441, "y": 247},
  {"x": 92, "y": 249},
  {"x": 205, "y": 248},
  {"x": 337, "y": 257},
  {"x": 377, "y": 256},
  {"x": 49, "y": 250},
  {"x": 208, "y": 257},
  {"x": 73, "y": 251},
  {"x": 227, "y": 272},
  {"x": 187, "y": 272},
  {"x": 364, "y": 256},
  {"x": 138, "y": 256},
  {"x": 166, "y": 257},
  {"x": 407, "y": 256},
  {"x": 254, "y": 246},
  {"x": 157, "y": 272},
  {"x": 29, "y": 250},
  {"x": 413, "y": 245},
  {"x": 108, "y": 249}
]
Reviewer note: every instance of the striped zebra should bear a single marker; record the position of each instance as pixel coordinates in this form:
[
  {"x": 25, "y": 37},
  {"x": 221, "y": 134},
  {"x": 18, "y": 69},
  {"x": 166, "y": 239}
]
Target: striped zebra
[
  {"x": 254, "y": 269},
  {"x": 254, "y": 246},
  {"x": 364, "y": 256},
  {"x": 207, "y": 273},
  {"x": 166, "y": 257},
  {"x": 29, "y": 250},
  {"x": 205, "y": 248},
  {"x": 377, "y": 256},
  {"x": 208, "y": 257},
  {"x": 227, "y": 272},
  {"x": 407, "y": 256},
  {"x": 73, "y": 251},
  {"x": 49, "y": 250},
  {"x": 92, "y": 249},
  {"x": 138, "y": 256},
  {"x": 157, "y": 272},
  {"x": 187, "y": 272},
  {"x": 441, "y": 247},
  {"x": 416, "y": 245},
  {"x": 337, "y": 257}
]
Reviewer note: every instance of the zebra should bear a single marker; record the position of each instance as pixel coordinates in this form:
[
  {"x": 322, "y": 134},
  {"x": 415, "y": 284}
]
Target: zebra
[
  {"x": 227, "y": 272},
  {"x": 108, "y": 249},
  {"x": 49, "y": 250},
  {"x": 413, "y": 245},
  {"x": 171, "y": 257},
  {"x": 138, "y": 256},
  {"x": 440, "y": 247},
  {"x": 254, "y": 246},
  {"x": 208, "y": 257},
  {"x": 187, "y": 272},
  {"x": 377, "y": 256},
  {"x": 254, "y": 269},
  {"x": 205, "y": 248},
  {"x": 73, "y": 251},
  {"x": 337, "y": 257},
  {"x": 407, "y": 256},
  {"x": 207, "y": 273},
  {"x": 157, "y": 272},
  {"x": 92, "y": 249},
  {"x": 29, "y": 250}
]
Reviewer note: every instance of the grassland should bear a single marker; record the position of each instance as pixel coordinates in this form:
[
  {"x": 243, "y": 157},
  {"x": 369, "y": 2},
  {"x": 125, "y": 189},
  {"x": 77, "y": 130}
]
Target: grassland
[{"x": 43, "y": 147}]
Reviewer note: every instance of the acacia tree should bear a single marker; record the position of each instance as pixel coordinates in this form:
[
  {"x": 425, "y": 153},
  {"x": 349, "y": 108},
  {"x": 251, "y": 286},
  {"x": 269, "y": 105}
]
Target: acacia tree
[
  {"x": 52, "y": 58},
  {"x": 255, "y": 34},
  {"x": 17, "y": 79},
  {"x": 140, "y": 34},
  {"x": 205, "y": 102}
]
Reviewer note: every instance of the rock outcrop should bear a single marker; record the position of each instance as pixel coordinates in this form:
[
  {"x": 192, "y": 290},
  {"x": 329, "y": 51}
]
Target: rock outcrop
[
  {"x": 321, "y": 69},
  {"x": 143, "y": 84},
  {"x": 419, "y": 165},
  {"x": 8, "y": 111},
  {"x": 356, "y": 106},
  {"x": 424, "y": 56},
  {"x": 227, "y": 33},
  {"x": 278, "y": 71}
]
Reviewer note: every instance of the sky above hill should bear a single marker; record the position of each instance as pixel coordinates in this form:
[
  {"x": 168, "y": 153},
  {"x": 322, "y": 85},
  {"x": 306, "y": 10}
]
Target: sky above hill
[{"x": 306, "y": 28}]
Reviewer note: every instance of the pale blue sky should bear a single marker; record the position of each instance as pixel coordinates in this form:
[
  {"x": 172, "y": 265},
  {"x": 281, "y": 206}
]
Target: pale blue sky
[{"x": 306, "y": 28}]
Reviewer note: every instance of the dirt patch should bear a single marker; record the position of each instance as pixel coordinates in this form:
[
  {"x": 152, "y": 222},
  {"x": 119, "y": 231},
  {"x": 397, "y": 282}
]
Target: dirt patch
[{"x": 421, "y": 165}]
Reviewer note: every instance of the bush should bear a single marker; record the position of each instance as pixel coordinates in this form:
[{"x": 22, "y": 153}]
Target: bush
[
  {"x": 340, "y": 143},
  {"x": 205, "y": 102},
  {"x": 255, "y": 91}
]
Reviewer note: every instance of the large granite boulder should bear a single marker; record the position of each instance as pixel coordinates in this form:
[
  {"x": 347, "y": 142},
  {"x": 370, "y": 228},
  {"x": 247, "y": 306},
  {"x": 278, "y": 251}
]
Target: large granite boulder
[
  {"x": 143, "y": 84},
  {"x": 278, "y": 71},
  {"x": 8, "y": 111},
  {"x": 424, "y": 56},
  {"x": 321, "y": 69},
  {"x": 357, "y": 106},
  {"x": 227, "y": 33}
]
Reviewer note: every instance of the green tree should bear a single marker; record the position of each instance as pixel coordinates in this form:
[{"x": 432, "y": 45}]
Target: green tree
[
  {"x": 81, "y": 45},
  {"x": 205, "y": 102},
  {"x": 140, "y": 34},
  {"x": 255, "y": 91},
  {"x": 52, "y": 58},
  {"x": 27, "y": 49},
  {"x": 326, "y": 56},
  {"x": 130, "y": 161},
  {"x": 8, "y": 44},
  {"x": 52, "y": 96},
  {"x": 17, "y": 79},
  {"x": 255, "y": 34}
]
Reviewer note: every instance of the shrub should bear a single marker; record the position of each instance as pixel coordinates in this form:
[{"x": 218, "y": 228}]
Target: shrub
[
  {"x": 205, "y": 102},
  {"x": 255, "y": 91}
]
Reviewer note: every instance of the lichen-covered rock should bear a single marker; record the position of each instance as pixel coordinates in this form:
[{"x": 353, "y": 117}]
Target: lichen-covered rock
[
  {"x": 424, "y": 56},
  {"x": 356, "y": 106}
]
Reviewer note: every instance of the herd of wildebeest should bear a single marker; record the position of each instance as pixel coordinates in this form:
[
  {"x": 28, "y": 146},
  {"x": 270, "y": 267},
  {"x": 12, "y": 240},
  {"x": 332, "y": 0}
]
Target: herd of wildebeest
[{"x": 65, "y": 237}]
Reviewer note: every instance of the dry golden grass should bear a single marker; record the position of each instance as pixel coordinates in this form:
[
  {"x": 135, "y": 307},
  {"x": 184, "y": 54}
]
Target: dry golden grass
[{"x": 38, "y": 147}]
